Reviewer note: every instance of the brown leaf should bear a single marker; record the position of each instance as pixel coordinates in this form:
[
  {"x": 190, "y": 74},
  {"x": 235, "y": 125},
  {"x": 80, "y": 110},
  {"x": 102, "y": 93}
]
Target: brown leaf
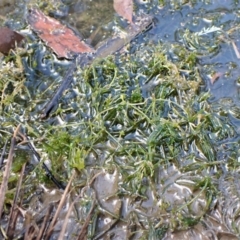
[
  {"x": 124, "y": 8},
  {"x": 8, "y": 39},
  {"x": 58, "y": 37},
  {"x": 215, "y": 77}
]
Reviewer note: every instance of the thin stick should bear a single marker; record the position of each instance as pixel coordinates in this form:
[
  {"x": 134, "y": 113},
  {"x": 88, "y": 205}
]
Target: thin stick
[
  {"x": 44, "y": 224},
  {"x": 64, "y": 226},
  {"x": 57, "y": 95},
  {"x": 6, "y": 173},
  {"x": 100, "y": 235},
  {"x": 3, "y": 153},
  {"x": 14, "y": 210},
  {"x": 83, "y": 231},
  {"x": 235, "y": 50},
  {"x": 60, "y": 205}
]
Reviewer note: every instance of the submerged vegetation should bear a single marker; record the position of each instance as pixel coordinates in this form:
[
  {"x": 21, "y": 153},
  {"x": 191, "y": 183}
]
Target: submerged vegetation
[
  {"x": 134, "y": 142},
  {"x": 139, "y": 120}
]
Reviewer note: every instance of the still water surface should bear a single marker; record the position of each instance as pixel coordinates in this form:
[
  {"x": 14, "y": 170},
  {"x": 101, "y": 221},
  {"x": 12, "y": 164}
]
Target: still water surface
[{"x": 176, "y": 23}]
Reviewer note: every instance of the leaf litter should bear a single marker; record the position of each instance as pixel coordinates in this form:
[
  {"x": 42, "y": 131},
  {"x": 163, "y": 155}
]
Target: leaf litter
[
  {"x": 60, "y": 38},
  {"x": 9, "y": 39}
]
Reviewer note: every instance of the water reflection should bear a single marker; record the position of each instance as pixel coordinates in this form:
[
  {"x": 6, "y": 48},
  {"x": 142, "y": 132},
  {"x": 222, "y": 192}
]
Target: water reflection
[
  {"x": 92, "y": 19},
  {"x": 204, "y": 15}
]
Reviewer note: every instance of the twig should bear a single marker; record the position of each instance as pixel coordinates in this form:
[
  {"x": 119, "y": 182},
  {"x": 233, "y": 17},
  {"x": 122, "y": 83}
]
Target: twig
[
  {"x": 79, "y": 60},
  {"x": 60, "y": 205},
  {"x": 235, "y": 50},
  {"x": 3, "y": 153},
  {"x": 6, "y": 173},
  {"x": 30, "y": 233},
  {"x": 44, "y": 224},
  {"x": 57, "y": 95},
  {"x": 83, "y": 231},
  {"x": 14, "y": 210},
  {"x": 106, "y": 230},
  {"x": 64, "y": 226}
]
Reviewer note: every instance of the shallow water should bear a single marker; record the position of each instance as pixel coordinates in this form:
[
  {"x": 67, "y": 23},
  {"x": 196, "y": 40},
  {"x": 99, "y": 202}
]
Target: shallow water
[
  {"x": 173, "y": 23},
  {"x": 176, "y": 26}
]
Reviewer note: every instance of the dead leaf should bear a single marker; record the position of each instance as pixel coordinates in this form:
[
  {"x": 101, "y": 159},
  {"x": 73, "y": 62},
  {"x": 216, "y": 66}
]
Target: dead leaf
[
  {"x": 9, "y": 39},
  {"x": 215, "y": 77},
  {"x": 58, "y": 37},
  {"x": 124, "y": 8}
]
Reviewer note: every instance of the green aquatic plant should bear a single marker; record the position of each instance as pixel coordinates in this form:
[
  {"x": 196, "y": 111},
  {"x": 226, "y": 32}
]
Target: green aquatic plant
[{"x": 138, "y": 114}]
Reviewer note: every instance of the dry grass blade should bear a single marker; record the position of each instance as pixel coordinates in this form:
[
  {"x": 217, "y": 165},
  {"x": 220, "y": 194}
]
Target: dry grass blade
[
  {"x": 235, "y": 49},
  {"x": 6, "y": 173},
  {"x": 44, "y": 224},
  {"x": 30, "y": 234},
  {"x": 64, "y": 227},
  {"x": 60, "y": 205},
  {"x": 3, "y": 153},
  {"x": 101, "y": 235},
  {"x": 14, "y": 210},
  {"x": 83, "y": 231}
]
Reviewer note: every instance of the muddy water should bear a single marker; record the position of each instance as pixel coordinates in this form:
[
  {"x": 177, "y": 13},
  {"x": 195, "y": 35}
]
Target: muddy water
[{"x": 217, "y": 53}]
